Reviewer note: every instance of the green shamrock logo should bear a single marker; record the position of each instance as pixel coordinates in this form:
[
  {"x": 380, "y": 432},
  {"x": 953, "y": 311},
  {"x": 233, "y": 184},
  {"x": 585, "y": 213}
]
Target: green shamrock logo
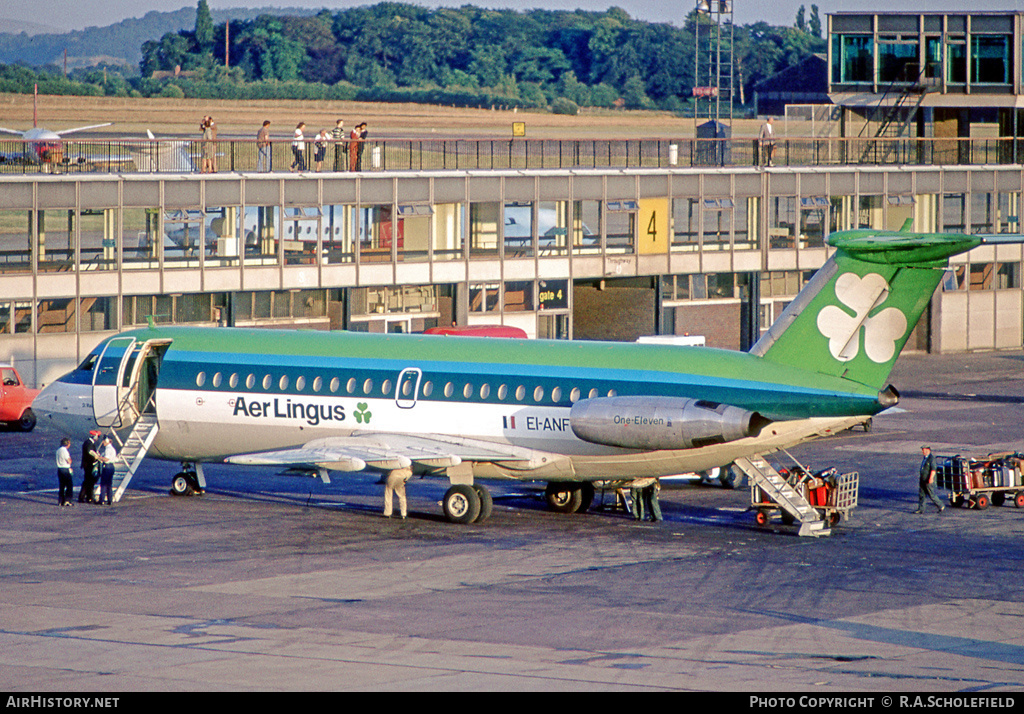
[{"x": 362, "y": 415}]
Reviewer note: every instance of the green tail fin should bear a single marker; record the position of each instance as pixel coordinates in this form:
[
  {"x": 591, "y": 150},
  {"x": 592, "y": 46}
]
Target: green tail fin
[{"x": 855, "y": 315}]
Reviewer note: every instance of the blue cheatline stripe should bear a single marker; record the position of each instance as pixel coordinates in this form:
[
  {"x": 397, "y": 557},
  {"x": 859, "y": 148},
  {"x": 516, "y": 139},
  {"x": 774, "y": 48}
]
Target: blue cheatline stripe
[{"x": 179, "y": 371}]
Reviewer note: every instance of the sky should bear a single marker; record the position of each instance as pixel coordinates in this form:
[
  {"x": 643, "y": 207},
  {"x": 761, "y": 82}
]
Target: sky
[{"x": 65, "y": 15}]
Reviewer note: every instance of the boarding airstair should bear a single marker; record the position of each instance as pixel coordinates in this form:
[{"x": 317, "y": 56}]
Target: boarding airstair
[
  {"x": 133, "y": 451},
  {"x": 764, "y": 476}
]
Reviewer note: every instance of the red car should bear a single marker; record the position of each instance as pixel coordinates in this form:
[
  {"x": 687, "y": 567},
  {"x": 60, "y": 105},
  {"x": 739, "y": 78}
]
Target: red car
[
  {"x": 478, "y": 331},
  {"x": 16, "y": 400}
]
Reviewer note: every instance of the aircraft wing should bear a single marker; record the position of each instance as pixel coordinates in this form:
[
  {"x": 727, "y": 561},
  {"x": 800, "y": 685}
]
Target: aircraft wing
[
  {"x": 62, "y": 132},
  {"x": 387, "y": 451}
]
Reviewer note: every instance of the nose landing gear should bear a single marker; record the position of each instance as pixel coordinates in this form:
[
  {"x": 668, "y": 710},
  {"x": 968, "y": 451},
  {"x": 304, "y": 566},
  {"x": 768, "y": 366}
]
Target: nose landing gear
[{"x": 189, "y": 482}]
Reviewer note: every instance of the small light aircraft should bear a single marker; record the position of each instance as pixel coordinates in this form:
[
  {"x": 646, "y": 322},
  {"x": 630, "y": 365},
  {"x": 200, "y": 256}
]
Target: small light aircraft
[
  {"x": 562, "y": 412},
  {"x": 41, "y": 146}
]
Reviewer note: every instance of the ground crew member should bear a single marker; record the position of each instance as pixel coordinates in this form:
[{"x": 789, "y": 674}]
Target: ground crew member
[
  {"x": 89, "y": 466},
  {"x": 927, "y": 478},
  {"x": 395, "y": 484}
]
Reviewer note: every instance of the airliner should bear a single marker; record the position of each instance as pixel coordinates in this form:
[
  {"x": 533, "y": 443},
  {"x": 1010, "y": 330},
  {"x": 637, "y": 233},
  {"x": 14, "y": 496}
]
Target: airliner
[{"x": 568, "y": 413}]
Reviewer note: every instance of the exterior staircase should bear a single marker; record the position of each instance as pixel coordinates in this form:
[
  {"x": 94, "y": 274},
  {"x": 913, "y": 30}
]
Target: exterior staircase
[
  {"x": 133, "y": 451},
  {"x": 764, "y": 476}
]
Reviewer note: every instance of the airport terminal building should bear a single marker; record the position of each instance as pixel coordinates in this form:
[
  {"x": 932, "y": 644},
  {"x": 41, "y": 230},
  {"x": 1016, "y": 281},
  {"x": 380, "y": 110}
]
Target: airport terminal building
[{"x": 573, "y": 241}]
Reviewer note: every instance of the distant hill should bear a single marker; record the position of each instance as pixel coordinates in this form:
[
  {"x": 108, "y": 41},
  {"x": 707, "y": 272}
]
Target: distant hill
[
  {"x": 29, "y": 28},
  {"x": 120, "y": 43}
]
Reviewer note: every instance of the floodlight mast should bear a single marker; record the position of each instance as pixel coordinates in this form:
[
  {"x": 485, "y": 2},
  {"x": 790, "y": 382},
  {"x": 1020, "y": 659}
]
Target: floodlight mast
[{"x": 713, "y": 62}]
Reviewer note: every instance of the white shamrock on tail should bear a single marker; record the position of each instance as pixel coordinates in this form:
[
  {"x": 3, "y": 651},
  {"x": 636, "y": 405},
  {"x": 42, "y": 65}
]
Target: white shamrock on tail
[{"x": 881, "y": 331}]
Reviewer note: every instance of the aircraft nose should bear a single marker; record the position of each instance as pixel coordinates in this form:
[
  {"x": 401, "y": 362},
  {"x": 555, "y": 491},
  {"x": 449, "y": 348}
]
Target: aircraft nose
[{"x": 64, "y": 406}]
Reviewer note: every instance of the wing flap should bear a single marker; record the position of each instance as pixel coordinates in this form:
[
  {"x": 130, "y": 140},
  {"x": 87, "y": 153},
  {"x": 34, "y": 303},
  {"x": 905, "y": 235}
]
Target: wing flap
[{"x": 387, "y": 451}]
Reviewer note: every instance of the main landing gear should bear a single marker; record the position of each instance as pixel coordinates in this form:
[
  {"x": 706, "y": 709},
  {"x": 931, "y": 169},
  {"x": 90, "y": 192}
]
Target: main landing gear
[
  {"x": 473, "y": 504},
  {"x": 467, "y": 504},
  {"x": 569, "y": 497}
]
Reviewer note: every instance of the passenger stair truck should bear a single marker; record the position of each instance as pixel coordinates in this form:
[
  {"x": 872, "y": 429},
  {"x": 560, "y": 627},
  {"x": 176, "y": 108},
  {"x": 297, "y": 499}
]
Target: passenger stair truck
[
  {"x": 815, "y": 502},
  {"x": 133, "y": 451}
]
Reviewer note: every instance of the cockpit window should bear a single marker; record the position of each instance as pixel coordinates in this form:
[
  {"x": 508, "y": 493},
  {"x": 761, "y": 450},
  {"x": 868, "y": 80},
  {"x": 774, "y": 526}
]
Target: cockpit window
[{"x": 88, "y": 364}]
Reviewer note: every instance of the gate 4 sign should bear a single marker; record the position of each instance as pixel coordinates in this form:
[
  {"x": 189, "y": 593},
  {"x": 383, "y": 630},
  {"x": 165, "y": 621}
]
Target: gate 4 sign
[{"x": 652, "y": 226}]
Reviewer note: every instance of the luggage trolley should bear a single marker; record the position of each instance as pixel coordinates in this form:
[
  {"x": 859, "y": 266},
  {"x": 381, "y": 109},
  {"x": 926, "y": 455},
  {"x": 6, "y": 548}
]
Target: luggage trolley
[
  {"x": 976, "y": 483},
  {"x": 831, "y": 494}
]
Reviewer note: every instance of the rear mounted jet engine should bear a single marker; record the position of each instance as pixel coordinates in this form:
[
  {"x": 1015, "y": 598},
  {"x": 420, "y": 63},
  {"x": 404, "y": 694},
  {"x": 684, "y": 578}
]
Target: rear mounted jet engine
[{"x": 656, "y": 423}]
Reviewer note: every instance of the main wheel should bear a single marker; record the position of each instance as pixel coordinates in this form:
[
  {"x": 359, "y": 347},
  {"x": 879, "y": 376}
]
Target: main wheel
[
  {"x": 486, "y": 503},
  {"x": 27, "y": 422},
  {"x": 461, "y": 504},
  {"x": 563, "y": 497},
  {"x": 586, "y": 496}
]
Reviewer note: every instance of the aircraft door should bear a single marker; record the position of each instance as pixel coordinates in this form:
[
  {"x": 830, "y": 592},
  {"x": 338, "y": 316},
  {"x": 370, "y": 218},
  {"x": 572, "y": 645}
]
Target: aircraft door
[
  {"x": 408, "y": 390},
  {"x": 107, "y": 380}
]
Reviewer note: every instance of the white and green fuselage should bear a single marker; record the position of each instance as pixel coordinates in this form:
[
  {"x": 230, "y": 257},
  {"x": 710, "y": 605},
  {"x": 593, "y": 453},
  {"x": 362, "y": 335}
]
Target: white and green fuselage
[{"x": 532, "y": 409}]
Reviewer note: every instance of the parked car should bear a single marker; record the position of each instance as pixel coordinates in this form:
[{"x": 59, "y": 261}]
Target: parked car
[{"x": 16, "y": 400}]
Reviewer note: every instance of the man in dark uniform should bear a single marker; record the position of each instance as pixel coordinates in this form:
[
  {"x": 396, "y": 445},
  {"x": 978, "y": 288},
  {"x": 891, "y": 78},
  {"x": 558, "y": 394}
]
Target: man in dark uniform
[
  {"x": 927, "y": 478},
  {"x": 88, "y": 467}
]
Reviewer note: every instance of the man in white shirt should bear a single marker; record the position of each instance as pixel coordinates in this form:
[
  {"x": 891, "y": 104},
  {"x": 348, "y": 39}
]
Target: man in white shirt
[
  {"x": 767, "y": 142},
  {"x": 299, "y": 148},
  {"x": 108, "y": 455},
  {"x": 65, "y": 487}
]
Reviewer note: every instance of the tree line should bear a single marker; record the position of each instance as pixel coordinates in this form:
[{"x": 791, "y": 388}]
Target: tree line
[{"x": 468, "y": 56}]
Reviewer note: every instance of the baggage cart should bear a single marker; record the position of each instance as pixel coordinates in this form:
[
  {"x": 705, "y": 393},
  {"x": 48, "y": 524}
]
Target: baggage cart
[
  {"x": 831, "y": 494},
  {"x": 979, "y": 482}
]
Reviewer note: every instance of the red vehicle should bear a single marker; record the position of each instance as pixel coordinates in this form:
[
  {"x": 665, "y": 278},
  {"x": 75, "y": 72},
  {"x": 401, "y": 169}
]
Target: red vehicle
[
  {"x": 478, "y": 331},
  {"x": 16, "y": 400}
]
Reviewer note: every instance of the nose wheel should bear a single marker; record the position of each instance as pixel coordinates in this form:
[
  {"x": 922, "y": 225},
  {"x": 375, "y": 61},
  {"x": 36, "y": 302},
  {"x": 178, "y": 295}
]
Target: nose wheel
[{"x": 187, "y": 483}]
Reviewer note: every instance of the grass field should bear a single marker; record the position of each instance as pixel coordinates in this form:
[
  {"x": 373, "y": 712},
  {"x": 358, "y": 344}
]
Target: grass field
[{"x": 180, "y": 117}]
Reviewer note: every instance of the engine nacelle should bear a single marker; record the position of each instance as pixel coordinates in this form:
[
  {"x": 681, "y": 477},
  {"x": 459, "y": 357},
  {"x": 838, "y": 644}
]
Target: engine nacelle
[{"x": 657, "y": 423}]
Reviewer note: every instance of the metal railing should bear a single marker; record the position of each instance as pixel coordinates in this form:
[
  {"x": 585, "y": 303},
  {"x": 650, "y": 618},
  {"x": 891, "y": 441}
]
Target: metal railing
[{"x": 242, "y": 155}]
